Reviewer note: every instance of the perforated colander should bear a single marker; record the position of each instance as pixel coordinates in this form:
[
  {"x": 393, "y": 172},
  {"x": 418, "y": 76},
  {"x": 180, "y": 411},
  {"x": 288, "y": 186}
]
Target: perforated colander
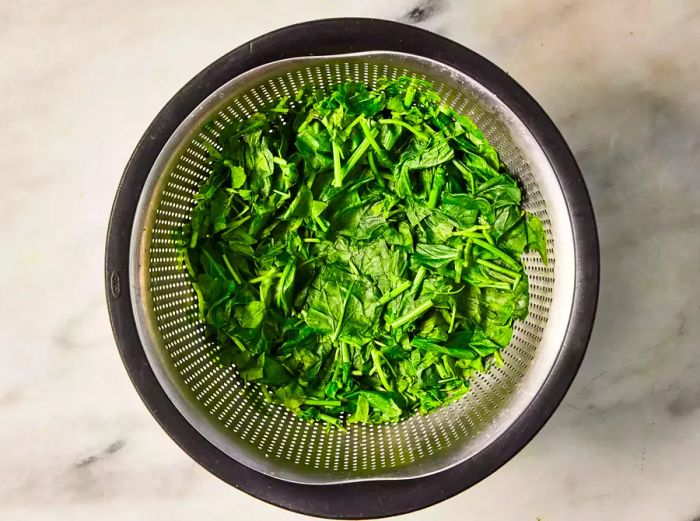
[{"x": 232, "y": 415}]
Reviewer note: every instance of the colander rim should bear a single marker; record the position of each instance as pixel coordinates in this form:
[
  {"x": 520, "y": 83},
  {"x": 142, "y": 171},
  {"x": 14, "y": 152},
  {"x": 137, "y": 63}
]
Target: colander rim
[{"x": 342, "y": 36}]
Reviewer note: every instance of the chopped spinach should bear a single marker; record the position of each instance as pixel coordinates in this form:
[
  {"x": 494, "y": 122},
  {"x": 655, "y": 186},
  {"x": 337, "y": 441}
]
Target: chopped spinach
[{"x": 357, "y": 253}]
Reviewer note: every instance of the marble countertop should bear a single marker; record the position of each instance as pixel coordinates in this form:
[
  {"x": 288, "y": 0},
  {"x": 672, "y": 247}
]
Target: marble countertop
[{"x": 79, "y": 83}]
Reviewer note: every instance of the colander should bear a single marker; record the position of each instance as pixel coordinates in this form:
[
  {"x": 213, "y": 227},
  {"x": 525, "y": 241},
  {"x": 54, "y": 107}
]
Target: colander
[{"x": 225, "y": 423}]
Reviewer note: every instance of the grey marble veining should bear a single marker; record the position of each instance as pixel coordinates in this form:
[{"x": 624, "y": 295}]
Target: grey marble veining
[{"x": 79, "y": 83}]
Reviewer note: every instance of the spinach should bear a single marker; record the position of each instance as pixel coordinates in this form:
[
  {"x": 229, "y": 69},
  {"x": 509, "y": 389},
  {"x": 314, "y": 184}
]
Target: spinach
[
  {"x": 357, "y": 252},
  {"x": 536, "y": 238}
]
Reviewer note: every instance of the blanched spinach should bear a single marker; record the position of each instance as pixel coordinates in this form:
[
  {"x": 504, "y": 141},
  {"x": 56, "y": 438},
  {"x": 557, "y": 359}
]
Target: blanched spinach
[{"x": 357, "y": 252}]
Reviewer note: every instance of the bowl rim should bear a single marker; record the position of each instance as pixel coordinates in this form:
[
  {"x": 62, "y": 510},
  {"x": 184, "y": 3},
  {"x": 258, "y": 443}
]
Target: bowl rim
[{"x": 353, "y": 499}]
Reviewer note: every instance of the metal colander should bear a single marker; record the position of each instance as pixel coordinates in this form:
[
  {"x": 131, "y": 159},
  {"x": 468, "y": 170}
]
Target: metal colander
[{"x": 266, "y": 437}]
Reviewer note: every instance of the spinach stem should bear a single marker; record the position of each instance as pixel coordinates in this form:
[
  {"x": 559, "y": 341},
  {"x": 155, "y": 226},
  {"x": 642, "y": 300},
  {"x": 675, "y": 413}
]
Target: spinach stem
[
  {"x": 497, "y": 285},
  {"x": 501, "y": 277},
  {"x": 368, "y": 134},
  {"x": 195, "y": 236},
  {"x": 279, "y": 161},
  {"x": 498, "y": 253},
  {"x": 311, "y": 259},
  {"x": 339, "y": 326},
  {"x": 279, "y": 293},
  {"x": 347, "y": 361},
  {"x": 488, "y": 237},
  {"x": 200, "y": 301},
  {"x": 465, "y": 173},
  {"x": 412, "y": 315},
  {"x": 472, "y": 231},
  {"x": 417, "y": 281},
  {"x": 215, "y": 265},
  {"x": 496, "y": 267},
  {"x": 358, "y": 119},
  {"x": 436, "y": 190},
  {"x": 458, "y": 263},
  {"x": 517, "y": 281},
  {"x": 375, "y": 170},
  {"x": 354, "y": 268},
  {"x": 420, "y": 135},
  {"x": 238, "y": 223},
  {"x": 377, "y": 365},
  {"x": 237, "y": 342},
  {"x": 452, "y": 318},
  {"x": 320, "y": 223},
  {"x": 355, "y": 157},
  {"x": 188, "y": 264},
  {"x": 467, "y": 252},
  {"x": 326, "y": 403},
  {"x": 477, "y": 235},
  {"x": 330, "y": 419},
  {"x": 408, "y": 97},
  {"x": 242, "y": 212},
  {"x": 394, "y": 293},
  {"x": 233, "y": 271},
  {"x": 337, "y": 167}
]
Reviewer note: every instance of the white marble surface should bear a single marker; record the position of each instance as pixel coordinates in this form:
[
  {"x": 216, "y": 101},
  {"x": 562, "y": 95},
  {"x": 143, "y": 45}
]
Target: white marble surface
[{"x": 80, "y": 81}]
